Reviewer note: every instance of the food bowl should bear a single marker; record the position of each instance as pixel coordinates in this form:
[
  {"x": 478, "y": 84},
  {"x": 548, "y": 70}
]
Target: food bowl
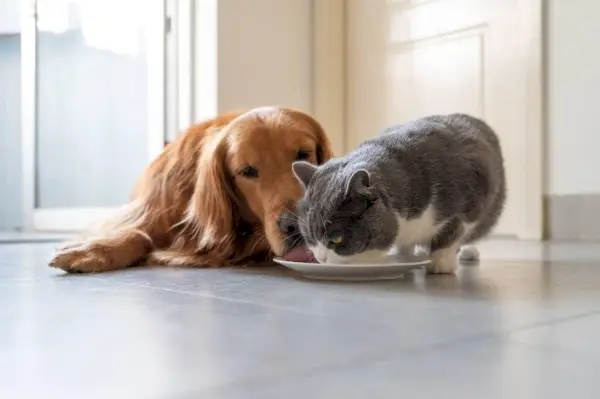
[{"x": 387, "y": 268}]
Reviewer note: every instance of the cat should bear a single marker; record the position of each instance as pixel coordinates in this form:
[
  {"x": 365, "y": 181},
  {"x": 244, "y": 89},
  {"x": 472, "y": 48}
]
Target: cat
[{"x": 436, "y": 181}]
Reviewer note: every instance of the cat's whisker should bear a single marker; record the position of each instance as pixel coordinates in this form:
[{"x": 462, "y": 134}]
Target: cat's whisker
[
  {"x": 293, "y": 236},
  {"x": 323, "y": 222},
  {"x": 295, "y": 218},
  {"x": 285, "y": 208},
  {"x": 301, "y": 222},
  {"x": 288, "y": 218},
  {"x": 296, "y": 242}
]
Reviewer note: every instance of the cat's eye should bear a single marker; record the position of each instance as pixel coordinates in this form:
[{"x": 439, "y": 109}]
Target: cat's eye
[
  {"x": 302, "y": 155},
  {"x": 250, "y": 172},
  {"x": 336, "y": 240}
]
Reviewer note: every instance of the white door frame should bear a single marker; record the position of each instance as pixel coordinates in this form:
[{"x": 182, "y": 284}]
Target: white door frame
[
  {"x": 180, "y": 66},
  {"x": 77, "y": 219},
  {"x": 329, "y": 102}
]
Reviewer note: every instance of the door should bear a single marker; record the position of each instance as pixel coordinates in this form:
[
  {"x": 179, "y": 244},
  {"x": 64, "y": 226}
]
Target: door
[
  {"x": 10, "y": 156},
  {"x": 93, "y": 111},
  {"x": 407, "y": 59}
]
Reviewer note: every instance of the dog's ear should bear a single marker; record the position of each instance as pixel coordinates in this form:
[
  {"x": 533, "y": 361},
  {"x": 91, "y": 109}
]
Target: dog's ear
[
  {"x": 214, "y": 207},
  {"x": 324, "y": 150}
]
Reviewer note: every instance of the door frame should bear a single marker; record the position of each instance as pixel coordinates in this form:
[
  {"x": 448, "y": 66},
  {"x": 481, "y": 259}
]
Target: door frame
[
  {"x": 175, "y": 19},
  {"x": 329, "y": 91}
]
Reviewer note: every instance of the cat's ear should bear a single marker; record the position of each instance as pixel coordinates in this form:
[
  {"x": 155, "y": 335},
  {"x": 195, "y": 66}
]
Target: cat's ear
[
  {"x": 359, "y": 182},
  {"x": 304, "y": 171}
]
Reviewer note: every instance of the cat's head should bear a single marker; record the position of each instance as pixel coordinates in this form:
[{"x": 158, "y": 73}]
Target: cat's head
[{"x": 344, "y": 215}]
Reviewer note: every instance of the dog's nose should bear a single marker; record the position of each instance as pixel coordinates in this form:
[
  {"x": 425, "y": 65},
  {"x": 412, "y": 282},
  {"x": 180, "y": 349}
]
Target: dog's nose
[{"x": 287, "y": 223}]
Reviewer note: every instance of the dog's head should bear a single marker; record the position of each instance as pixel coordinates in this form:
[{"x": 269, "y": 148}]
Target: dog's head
[{"x": 246, "y": 189}]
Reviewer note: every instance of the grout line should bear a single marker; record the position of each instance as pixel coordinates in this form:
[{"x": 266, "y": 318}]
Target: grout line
[
  {"x": 205, "y": 294},
  {"x": 558, "y": 320}
]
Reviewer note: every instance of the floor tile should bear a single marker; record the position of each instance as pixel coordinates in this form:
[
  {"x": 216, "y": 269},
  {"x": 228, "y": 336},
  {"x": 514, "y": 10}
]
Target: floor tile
[
  {"x": 577, "y": 336},
  {"x": 482, "y": 369}
]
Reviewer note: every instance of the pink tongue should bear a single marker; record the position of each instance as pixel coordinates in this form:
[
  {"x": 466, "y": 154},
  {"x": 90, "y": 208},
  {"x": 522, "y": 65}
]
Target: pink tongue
[{"x": 300, "y": 254}]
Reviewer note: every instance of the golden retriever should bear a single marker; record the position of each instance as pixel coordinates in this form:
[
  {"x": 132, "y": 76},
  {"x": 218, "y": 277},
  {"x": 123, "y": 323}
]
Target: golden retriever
[{"x": 222, "y": 194}]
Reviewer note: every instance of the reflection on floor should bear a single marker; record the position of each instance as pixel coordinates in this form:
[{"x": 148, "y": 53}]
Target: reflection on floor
[{"x": 523, "y": 324}]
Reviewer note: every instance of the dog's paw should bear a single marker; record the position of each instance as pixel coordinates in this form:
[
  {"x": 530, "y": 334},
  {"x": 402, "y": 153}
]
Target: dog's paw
[{"x": 82, "y": 257}]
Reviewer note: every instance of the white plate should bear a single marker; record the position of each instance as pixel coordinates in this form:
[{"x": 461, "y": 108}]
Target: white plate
[{"x": 389, "y": 269}]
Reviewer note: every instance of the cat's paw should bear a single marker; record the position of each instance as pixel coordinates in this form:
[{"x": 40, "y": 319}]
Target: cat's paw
[
  {"x": 468, "y": 253},
  {"x": 443, "y": 261}
]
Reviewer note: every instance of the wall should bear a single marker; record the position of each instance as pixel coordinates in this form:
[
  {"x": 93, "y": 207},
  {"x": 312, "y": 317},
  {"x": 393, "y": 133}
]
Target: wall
[
  {"x": 258, "y": 53},
  {"x": 573, "y": 84}
]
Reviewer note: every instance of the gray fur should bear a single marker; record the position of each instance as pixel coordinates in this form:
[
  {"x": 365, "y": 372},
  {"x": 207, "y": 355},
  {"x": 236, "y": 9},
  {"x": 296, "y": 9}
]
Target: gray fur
[{"x": 452, "y": 162}]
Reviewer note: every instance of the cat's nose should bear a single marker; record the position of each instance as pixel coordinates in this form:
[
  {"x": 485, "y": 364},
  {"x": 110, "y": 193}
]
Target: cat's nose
[{"x": 288, "y": 223}]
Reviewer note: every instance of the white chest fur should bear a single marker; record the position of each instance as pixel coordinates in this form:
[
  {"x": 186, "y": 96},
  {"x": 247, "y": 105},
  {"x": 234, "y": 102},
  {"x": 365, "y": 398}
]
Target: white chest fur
[{"x": 418, "y": 230}]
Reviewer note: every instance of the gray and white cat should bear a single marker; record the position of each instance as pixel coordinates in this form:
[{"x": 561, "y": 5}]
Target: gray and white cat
[{"x": 436, "y": 181}]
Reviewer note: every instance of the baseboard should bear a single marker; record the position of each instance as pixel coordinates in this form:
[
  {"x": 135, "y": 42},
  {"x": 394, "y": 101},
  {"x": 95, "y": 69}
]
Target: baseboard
[{"x": 573, "y": 217}]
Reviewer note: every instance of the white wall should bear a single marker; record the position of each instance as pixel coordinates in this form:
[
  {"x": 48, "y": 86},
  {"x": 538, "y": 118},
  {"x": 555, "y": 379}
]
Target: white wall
[
  {"x": 573, "y": 87},
  {"x": 263, "y": 54}
]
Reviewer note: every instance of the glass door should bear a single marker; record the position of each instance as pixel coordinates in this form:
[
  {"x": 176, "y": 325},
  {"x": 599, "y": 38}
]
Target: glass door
[
  {"x": 10, "y": 108},
  {"x": 93, "y": 115}
]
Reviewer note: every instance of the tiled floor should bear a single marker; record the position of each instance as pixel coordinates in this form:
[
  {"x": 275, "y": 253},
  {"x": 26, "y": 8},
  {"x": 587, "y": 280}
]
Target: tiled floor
[{"x": 523, "y": 324}]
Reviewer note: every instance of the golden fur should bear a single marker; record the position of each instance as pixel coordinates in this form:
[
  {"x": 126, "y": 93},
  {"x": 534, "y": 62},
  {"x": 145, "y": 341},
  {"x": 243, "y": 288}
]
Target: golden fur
[{"x": 194, "y": 207}]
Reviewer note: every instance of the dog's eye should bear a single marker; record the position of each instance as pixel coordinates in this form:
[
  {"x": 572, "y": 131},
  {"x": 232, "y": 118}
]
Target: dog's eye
[
  {"x": 250, "y": 172},
  {"x": 301, "y": 155}
]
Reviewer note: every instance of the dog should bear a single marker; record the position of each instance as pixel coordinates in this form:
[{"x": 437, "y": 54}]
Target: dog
[{"x": 221, "y": 194}]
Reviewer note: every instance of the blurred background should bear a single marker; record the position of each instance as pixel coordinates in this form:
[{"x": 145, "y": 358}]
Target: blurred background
[{"x": 91, "y": 90}]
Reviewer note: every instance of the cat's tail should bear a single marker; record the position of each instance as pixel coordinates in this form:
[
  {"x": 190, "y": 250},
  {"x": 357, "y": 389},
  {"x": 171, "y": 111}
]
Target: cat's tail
[{"x": 468, "y": 253}]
